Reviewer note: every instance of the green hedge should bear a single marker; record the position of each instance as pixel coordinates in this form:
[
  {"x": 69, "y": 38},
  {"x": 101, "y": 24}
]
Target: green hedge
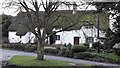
[
  {"x": 21, "y": 47},
  {"x": 78, "y": 55},
  {"x": 79, "y": 48},
  {"x": 83, "y": 55},
  {"x": 117, "y": 51},
  {"x": 96, "y": 45},
  {"x": 68, "y": 53},
  {"x": 51, "y": 51}
]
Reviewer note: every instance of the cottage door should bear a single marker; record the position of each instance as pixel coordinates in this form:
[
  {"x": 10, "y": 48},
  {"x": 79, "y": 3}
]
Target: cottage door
[
  {"x": 52, "y": 39},
  {"x": 76, "y": 40}
]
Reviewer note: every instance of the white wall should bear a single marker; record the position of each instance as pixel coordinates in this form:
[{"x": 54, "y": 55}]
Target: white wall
[
  {"x": 13, "y": 38},
  {"x": 27, "y": 37},
  {"x": 67, "y": 37}
]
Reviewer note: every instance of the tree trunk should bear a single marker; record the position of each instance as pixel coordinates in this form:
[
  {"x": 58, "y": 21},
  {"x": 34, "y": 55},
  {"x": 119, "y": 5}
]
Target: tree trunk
[{"x": 40, "y": 51}]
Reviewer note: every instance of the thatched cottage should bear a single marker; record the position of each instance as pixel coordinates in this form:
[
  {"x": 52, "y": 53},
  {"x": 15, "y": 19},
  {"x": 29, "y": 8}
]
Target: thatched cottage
[{"x": 84, "y": 32}]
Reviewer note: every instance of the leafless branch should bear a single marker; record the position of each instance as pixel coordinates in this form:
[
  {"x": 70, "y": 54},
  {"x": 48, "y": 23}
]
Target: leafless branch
[{"x": 75, "y": 23}]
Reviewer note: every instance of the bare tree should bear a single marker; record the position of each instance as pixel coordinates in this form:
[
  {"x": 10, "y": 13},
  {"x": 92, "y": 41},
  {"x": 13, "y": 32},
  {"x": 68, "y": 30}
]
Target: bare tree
[{"x": 34, "y": 7}]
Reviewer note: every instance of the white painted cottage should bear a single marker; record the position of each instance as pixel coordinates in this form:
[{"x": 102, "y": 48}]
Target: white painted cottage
[
  {"x": 23, "y": 36},
  {"x": 86, "y": 34}
]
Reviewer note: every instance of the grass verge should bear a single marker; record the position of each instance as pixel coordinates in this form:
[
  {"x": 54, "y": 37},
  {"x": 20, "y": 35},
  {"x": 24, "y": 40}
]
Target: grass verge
[
  {"x": 31, "y": 61},
  {"x": 113, "y": 56}
]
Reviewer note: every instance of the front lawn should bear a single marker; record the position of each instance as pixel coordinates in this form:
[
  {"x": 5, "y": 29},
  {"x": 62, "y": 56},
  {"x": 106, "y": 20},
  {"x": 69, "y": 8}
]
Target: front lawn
[
  {"x": 113, "y": 56},
  {"x": 31, "y": 61}
]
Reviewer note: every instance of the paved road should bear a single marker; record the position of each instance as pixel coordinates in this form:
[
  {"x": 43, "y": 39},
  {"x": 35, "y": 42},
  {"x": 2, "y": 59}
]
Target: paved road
[{"x": 7, "y": 54}]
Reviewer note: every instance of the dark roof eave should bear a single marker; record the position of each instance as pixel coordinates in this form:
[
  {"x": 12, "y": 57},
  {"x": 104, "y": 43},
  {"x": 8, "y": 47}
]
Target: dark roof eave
[
  {"x": 12, "y": 30},
  {"x": 20, "y": 34}
]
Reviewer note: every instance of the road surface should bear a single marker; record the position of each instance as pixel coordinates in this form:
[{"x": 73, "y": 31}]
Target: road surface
[{"x": 7, "y": 54}]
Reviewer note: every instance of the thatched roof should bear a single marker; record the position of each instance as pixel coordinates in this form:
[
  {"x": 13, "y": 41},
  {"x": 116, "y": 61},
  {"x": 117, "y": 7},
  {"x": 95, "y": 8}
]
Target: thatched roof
[
  {"x": 20, "y": 24},
  {"x": 66, "y": 18}
]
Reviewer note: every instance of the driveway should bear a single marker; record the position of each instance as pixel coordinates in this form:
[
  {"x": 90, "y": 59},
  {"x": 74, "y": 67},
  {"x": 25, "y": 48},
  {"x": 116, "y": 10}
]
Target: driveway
[{"x": 7, "y": 54}]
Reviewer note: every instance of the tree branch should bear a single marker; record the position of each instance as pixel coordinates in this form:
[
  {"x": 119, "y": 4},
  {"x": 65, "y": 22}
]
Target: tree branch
[{"x": 70, "y": 25}]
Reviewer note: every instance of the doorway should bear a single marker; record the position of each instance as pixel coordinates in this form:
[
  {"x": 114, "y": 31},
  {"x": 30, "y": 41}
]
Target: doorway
[
  {"x": 52, "y": 39},
  {"x": 76, "y": 40}
]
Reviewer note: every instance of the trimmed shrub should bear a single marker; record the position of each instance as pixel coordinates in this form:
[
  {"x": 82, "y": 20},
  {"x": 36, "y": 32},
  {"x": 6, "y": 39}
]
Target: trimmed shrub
[
  {"x": 79, "y": 48},
  {"x": 92, "y": 50},
  {"x": 83, "y": 55},
  {"x": 51, "y": 51},
  {"x": 109, "y": 51},
  {"x": 78, "y": 55},
  {"x": 64, "y": 45},
  {"x": 62, "y": 51},
  {"x": 96, "y": 45},
  {"x": 26, "y": 48},
  {"x": 86, "y": 44},
  {"x": 117, "y": 51},
  {"x": 58, "y": 46},
  {"x": 21, "y": 47},
  {"x": 68, "y": 53},
  {"x": 87, "y": 55},
  {"x": 32, "y": 48},
  {"x": 4, "y": 45},
  {"x": 69, "y": 46},
  {"x": 63, "y": 48}
]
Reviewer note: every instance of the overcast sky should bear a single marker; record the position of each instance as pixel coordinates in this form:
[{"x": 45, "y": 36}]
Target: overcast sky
[
  {"x": 8, "y": 11},
  {"x": 11, "y": 11},
  {"x": 1, "y": 10}
]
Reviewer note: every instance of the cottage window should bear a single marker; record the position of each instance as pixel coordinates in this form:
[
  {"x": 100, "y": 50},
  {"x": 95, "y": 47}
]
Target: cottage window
[
  {"x": 89, "y": 40},
  {"x": 57, "y": 37}
]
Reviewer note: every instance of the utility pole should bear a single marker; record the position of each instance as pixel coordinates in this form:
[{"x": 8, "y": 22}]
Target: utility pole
[{"x": 98, "y": 26}]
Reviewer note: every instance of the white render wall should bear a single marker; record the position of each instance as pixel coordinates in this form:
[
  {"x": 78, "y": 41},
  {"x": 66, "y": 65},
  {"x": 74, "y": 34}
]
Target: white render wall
[
  {"x": 67, "y": 37},
  {"x": 27, "y": 37},
  {"x": 13, "y": 38}
]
